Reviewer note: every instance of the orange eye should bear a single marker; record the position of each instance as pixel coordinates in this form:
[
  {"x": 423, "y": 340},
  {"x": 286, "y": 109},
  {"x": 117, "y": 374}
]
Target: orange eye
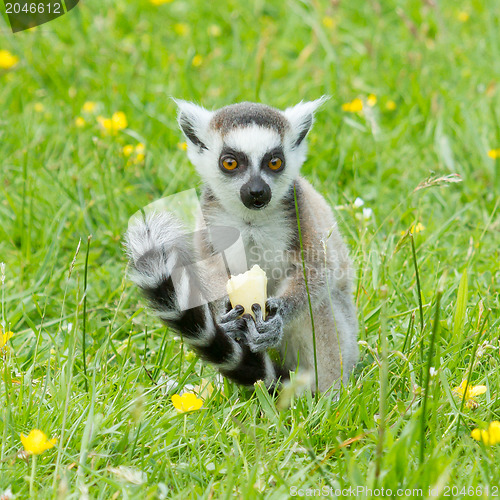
[
  {"x": 229, "y": 163},
  {"x": 274, "y": 163}
]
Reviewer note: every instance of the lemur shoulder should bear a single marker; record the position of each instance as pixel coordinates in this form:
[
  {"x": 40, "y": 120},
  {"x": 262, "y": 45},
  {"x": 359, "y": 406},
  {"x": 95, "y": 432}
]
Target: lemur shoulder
[{"x": 249, "y": 156}]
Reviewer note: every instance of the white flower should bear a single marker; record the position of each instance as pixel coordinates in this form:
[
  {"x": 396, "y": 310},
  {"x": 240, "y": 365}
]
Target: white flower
[
  {"x": 358, "y": 203},
  {"x": 367, "y": 213},
  {"x": 7, "y": 494},
  {"x": 167, "y": 384},
  {"x": 67, "y": 326},
  {"x": 187, "y": 388},
  {"x": 129, "y": 474},
  {"x": 432, "y": 371}
]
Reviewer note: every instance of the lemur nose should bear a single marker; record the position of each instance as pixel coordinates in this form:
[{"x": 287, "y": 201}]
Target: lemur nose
[{"x": 256, "y": 192}]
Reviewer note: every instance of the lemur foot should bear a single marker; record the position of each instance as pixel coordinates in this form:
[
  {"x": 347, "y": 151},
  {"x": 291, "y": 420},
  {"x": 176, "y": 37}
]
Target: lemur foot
[{"x": 263, "y": 334}]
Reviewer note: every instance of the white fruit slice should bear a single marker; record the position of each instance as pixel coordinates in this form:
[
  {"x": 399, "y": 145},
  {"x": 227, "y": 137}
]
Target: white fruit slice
[{"x": 248, "y": 288}]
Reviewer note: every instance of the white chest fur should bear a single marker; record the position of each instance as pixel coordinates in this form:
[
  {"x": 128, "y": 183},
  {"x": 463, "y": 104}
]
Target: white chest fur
[{"x": 266, "y": 242}]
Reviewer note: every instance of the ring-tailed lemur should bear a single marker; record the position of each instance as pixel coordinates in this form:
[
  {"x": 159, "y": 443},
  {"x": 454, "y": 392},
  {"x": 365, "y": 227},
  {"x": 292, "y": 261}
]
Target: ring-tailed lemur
[{"x": 249, "y": 156}]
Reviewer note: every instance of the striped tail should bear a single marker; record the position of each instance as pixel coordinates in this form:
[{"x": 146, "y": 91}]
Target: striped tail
[{"x": 162, "y": 266}]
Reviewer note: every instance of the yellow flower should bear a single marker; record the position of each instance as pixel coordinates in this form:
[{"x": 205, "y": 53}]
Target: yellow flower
[
  {"x": 328, "y": 22},
  {"x": 494, "y": 153},
  {"x": 354, "y": 106},
  {"x": 463, "y": 16},
  {"x": 214, "y": 30},
  {"x": 36, "y": 442},
  {"x": 471, "y": 391},
  {"x": 488, "y": 437},
  {"x": 112, "y": 125},
  {"x": 182, "y": 146},
  {"x": 119, "y": 120},
  {"x": 159, "y": 2},
  {"x": 89, "y": 107},
  {"x": 181, "y": 29},
  {"x": 372, "y": 100},
  {"x": 136, "y": 153},
  {"x": 390, "y": 105},
  {"x": 79, "y": 122},
  {"x": 415, "y": 228},
  {"x": 187, "y": 402},
  {"x": 197, "y": 60},
  {"x": 7, "y": 60},
  {"x": 4, "y": 338},
  {"x": 39, "y": 107},
  {"x": 127, "y": 150},
  {"x": 105, "y": 123}
]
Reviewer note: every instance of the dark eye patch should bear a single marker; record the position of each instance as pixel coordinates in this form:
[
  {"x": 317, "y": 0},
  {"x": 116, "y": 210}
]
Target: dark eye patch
[
  {"x": 239, "y": 156},
  {"x": 275, "y": 153}
]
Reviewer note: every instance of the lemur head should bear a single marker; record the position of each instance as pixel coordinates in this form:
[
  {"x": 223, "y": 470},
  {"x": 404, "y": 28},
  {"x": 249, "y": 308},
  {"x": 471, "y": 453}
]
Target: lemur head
[{"x": 249, "y": 154}]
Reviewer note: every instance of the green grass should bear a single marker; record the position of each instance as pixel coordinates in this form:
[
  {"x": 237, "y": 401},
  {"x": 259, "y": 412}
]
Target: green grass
[{"x": 60, "y": 183}]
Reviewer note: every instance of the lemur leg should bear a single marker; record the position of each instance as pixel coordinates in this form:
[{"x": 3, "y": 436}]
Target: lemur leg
[
  {"x": 333, "y": 357},
  {"x": 156, "y": 245},
  {"x": 335, "y": 324}
]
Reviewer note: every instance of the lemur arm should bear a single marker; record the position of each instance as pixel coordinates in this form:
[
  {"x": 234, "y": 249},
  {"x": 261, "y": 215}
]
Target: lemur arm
[{"x": 292, "y": 299}]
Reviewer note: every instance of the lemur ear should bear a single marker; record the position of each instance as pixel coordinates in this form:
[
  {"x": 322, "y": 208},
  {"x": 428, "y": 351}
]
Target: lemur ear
[
  {"x": 193, "y": 121},
  {"x": 301, "y": 118}
]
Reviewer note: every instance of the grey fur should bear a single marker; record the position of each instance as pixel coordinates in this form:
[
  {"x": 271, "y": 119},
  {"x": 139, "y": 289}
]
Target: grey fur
[{"x": 246, "y": 113}]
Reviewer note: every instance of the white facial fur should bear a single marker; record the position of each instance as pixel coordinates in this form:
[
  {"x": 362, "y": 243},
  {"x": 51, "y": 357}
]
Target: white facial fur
[{"x": 253, "y": 140}]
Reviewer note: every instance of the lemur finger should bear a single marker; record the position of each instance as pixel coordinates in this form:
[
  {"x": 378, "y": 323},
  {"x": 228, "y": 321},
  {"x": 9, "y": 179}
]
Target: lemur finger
[
  {"x": 253, "y": 337},
  {"x": 232, "y": 314},
  {"x": 273, "y": 305},
  {"x": 260, "y": 340},
  {"x": 258, "y": 313}
]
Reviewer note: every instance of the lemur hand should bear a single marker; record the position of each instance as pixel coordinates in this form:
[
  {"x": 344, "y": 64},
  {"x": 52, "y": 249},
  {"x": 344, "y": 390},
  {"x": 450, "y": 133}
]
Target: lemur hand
[
  {"x": 263, "y": 334},
  {"x": 231, "y": 322}
]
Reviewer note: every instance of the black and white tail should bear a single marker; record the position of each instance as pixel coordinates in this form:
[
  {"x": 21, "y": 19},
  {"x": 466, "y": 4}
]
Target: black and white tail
[{"x": 161, "y": 263}]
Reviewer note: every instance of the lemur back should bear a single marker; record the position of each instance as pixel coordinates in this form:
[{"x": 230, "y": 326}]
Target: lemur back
[{"x": 249, "y": 156}]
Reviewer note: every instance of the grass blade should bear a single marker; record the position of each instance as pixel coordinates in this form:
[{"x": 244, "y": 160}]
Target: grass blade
[
  {"x": 471, "y": 367},
  {"x": 461, "y": 307},
  {"x": 84, "y": 323},
  {"x": 307, "y": 289},
  {"x": 435, "y": 329},
  {"x": 420, "y": 306}
]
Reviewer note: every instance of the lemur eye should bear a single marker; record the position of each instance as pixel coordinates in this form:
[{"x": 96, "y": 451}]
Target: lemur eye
[
  {"x": 229, "y": 163},
  {"x": 274, "y": 163}
]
